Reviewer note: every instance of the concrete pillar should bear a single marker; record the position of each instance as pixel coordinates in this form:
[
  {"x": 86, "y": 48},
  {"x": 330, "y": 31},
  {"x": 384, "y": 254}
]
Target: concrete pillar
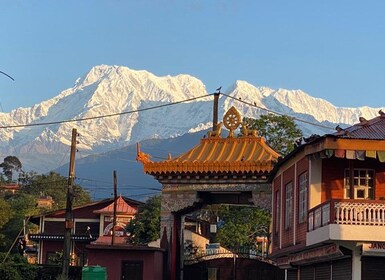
[{"x": 356, "y": 263}]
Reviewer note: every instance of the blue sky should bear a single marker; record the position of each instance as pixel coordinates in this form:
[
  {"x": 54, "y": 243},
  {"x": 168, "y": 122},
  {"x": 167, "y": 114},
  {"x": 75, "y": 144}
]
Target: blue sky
[{"x": 334, "y": 50}]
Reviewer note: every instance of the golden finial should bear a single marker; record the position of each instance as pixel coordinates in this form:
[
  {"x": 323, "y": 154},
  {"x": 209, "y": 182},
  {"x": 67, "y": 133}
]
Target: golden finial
[{"x": 232, "y": 120}]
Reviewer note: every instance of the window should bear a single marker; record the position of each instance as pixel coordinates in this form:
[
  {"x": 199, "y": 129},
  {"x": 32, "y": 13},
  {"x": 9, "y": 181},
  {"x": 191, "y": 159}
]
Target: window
[
  {"x": 289, "y": 204},
  {"x": 212, "y": 273},
  {"x": 277, "y": 211},
  {"x": 132, "y": 270},
  {"x": 363, "y": 184},
  {"x": 302, "y": 200}
]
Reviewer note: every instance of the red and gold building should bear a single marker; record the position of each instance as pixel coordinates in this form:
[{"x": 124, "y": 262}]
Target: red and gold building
[
  {"x": 232, "y": 170},
  {"x": 329, "y": 205}
]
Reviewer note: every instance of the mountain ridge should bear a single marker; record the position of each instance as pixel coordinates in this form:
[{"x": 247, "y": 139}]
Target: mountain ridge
[{"x": 108, "y": 90}]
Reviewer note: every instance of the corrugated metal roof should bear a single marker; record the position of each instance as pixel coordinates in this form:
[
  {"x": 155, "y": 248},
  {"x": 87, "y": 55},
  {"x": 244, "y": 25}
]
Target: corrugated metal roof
[
  {"x": 216, "y": 154},
  {"x": 373, "y": 129}
]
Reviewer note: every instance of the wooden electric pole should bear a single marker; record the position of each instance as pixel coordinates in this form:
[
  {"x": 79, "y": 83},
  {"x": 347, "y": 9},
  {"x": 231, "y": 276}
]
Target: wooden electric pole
[
  {"x": 69, "y": 224},
  {"x": 114, "y": 214},
  {"x": 215, "y": 110}
]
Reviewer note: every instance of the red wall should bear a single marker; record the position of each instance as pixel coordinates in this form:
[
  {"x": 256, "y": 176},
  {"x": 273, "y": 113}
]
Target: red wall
[
  {"x": 333, "y": 177},
  {"x": 112, "y": 260},
  {"x": 51, "y": 246},
  {"x": 300, "y": 229},
  {"x": 287, "y": 234}
]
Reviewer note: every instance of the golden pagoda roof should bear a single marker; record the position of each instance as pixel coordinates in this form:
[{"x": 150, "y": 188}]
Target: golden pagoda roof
[{"x": 216, "y": 154}]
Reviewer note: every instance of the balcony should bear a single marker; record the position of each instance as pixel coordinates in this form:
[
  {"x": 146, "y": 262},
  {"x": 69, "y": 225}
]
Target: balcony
[{"x": 346, "y": 220}]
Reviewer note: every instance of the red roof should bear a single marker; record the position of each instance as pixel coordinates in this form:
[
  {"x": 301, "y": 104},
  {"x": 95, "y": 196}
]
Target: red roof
[{"x": 121, "y": 208}]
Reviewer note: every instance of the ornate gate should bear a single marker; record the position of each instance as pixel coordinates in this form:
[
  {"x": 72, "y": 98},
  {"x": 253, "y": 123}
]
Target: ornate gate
[{"x": 231, "y": 170}]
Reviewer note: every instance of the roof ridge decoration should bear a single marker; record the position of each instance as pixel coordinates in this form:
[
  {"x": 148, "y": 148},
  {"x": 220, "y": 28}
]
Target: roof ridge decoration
[{"x": 232, "y": 120}]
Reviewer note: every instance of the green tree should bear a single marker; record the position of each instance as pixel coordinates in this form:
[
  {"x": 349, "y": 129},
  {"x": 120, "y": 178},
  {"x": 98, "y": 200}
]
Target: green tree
[
  {"x": 16, "y": 267},
  {"x": 15, "y": 208},
  {"x": 239, "y": 226},
  {"x": 5, "y": 212},
  {"x": 9, "y": 165},
  {"x": 54, "y": 185},
  {"x": 280, "y": 132},
  {"x": 145, "y": 227}
]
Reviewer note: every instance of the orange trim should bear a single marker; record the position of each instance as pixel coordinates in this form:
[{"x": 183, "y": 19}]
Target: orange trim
[{"x": 345, "y": 144}]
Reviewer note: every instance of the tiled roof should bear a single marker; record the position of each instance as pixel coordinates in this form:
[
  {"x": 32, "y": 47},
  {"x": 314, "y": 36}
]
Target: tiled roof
[
  {"x": 121, "y": 208},
  {"x": 216, "y": 154},
  {"x": 373, "y": 129}
]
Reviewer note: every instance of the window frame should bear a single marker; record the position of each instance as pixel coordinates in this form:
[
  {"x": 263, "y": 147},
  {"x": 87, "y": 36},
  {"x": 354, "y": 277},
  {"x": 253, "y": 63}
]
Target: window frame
[
  {"x": 368, "y": 180},
  {"x": 303, "y": 186},
  {"x": 288, "y": 204}
]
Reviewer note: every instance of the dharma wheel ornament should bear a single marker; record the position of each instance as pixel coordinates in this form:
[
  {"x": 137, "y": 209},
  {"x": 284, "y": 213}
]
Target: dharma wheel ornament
[{"x": 232, "y": 120}]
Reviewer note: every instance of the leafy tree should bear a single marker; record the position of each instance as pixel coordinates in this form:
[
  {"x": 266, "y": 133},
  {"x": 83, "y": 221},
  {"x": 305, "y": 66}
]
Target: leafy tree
[
  {"x": 280, "y": 132},
  {"x": 145, "y": 227},
  {"x": 239, "y": 226},
  {"x": 9, "y": 165},
  {"x": 54, "y": 185},
  {"x": 14, "y": 208},
  {"x": 16, "y": 267},
  {"x": 5, "y": 212},
  {"x": 21, "y": 205}
]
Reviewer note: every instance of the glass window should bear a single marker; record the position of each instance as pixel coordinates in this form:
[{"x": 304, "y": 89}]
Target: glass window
[
  {"x": 277, "y": 211},
  {"x": 363, "y": 184},
  {"x": 289, "y": 204},
  {"x": 302, "y": 201}
]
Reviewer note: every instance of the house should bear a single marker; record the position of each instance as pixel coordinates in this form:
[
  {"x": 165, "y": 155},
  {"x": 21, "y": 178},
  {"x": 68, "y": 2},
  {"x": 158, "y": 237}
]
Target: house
[
  {"x": 44, "y": 202},
  {"x": 91, "y": 221},
  {"x": 11, "y": 188},
  {"x": 328, "y": 218}
]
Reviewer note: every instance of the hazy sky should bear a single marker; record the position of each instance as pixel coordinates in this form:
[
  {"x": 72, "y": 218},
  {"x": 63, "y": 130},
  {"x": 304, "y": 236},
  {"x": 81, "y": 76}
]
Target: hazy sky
[{"x": 330, "y": 49}]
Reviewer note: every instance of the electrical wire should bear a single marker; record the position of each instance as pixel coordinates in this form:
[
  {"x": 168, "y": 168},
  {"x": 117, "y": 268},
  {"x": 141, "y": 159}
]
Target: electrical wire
[
  {"x": 106, "y": 116},
  {"x": 277, "y": 113}
]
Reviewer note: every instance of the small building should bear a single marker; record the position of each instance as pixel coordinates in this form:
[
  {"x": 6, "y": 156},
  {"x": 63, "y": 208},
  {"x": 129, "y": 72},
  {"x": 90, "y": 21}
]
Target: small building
[
  {"x": 329, "y": 205},
  {"x": 91, "y": 221},
  {"x": 44, "y": 202},
  {"x": 10, "y": 188}
]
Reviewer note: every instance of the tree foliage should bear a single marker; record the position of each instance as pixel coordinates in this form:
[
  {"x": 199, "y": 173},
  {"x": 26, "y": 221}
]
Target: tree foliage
[
  {"x": 280, "y": 132},
  {"x": 16, "y": 267},
  {"x": 239, "y": 226},
  {"x": 54, "y": 185},
  {"x": 5, "y": 212},
  {"x": 10, "y": 165},
  {"x": 14, "y": 208},
  {"x": 145, "y": 227}
]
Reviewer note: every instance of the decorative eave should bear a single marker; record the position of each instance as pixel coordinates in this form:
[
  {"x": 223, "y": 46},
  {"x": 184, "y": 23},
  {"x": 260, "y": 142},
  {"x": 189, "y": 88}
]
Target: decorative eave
[
  {"x": 246, "y": 154},
  {"x": 60, "y": 237},
  {"x": 334, "y": 143}
]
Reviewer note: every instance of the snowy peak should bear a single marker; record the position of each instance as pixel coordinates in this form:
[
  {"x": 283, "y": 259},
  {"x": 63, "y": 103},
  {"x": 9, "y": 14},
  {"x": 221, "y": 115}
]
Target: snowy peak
[{"x": 112, "y": 99}]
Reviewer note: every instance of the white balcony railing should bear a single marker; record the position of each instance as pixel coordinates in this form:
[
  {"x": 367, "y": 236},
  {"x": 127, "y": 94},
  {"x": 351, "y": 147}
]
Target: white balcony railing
[{"x": 347, "y": 212}]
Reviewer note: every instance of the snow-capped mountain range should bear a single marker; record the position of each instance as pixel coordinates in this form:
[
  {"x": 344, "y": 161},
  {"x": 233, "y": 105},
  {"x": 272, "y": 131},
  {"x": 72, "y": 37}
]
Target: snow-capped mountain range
[{"x": 112, "y": 90}]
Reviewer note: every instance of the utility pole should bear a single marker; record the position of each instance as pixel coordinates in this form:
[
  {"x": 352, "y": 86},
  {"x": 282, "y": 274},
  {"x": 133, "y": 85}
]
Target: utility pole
[
  {"x": 69, "y": 224},
  {"x": 114, "y": 217},
  {"x": 215, "y": 110}
]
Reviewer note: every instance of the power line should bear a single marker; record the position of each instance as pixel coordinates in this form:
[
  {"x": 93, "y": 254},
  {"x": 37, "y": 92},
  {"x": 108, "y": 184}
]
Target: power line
[
  {"x": 161, "y": 106},
  {"x": 105, "y": 116},
  {"x": 5, "y": 74},
  {"x": 276, "y": 113}
]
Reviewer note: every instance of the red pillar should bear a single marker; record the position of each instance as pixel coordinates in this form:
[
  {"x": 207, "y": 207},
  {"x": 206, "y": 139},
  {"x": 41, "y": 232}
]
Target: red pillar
[{"x": 175, "y": 248}]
